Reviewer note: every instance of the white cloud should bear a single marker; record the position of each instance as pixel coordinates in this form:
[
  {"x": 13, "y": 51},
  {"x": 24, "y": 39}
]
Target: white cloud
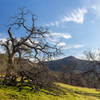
[
  {"x": 56, "y": 23},
  {"x": 78, "y": 46},
  {"x": 50, "y": 24},
  {"x": 63, "y": 35},
  {"x": 55, "y": 37},
  {"x": 96, "y": 10},
  {"x": 64, "y": 46},
  {"x": 94, "y": 7},
  {"x": 3, "y": 39},
  {"x": 76, "y": 16},
  {"x": 74, "y": 46},
  {"x": 2, "y": 49},
  {"x": 80, "y": 56},
  {"x": 61, "y": 44}
]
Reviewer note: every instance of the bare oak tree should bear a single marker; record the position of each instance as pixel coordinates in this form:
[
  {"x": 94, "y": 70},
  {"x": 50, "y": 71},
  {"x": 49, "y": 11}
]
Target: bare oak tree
[{"x": 26, "y": 40}]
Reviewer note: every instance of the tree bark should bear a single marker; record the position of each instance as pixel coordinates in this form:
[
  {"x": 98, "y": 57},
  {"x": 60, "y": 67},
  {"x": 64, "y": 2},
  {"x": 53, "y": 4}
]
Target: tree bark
[{"x": 10, "y": 77}]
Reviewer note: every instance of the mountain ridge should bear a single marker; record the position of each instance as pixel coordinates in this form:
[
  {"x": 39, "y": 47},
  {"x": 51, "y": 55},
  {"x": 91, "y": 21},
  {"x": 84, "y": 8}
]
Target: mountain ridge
[{"x": 69, "y": 62}]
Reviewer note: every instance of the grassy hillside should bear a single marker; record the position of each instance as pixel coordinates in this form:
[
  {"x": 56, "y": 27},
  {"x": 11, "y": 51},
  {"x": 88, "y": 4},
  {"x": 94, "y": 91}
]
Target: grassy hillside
[{"x": 70, "y": 93}]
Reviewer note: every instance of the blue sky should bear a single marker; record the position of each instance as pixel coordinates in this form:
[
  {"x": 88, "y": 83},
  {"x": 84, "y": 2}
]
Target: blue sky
[{"x": 75, "y": 23}]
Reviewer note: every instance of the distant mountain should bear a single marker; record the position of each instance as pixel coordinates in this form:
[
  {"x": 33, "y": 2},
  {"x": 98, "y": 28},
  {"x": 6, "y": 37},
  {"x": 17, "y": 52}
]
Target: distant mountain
[
  {"x": 70, "y": 64},
  {"x": 77, "y": 72}
]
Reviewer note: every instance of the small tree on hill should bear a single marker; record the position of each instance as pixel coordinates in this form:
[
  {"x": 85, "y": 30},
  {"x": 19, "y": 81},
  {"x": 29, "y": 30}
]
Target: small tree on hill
[{"x": 93, "y": 56}]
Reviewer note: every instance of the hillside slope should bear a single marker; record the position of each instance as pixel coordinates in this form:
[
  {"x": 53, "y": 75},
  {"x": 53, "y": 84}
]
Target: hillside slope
[{"x": 70, "y": 93}]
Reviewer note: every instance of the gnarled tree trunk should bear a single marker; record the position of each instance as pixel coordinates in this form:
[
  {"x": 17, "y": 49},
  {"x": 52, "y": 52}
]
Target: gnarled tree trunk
[{"x": 10, "y": 77}]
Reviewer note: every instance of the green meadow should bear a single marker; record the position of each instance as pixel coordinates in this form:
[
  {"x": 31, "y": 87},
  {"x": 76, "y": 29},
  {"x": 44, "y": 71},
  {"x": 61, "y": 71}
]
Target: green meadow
[{"x": 66, "y": 92}]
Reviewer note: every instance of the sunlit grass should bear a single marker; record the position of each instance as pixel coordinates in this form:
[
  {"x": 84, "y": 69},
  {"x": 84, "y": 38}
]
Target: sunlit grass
[
  {"x": 80, "y": 93},
  {"x": 69, "y": 93}
]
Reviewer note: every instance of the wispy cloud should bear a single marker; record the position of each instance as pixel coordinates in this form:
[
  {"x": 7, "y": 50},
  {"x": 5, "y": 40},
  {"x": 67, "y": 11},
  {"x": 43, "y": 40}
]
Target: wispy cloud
[
  {"x": 5, "y": 35},
  {"x": 73, "y": 46},
  {"x": 96, "y": 10},
  {"x": 62, "y": 44},
  {"x": 93, "y": 6},
  {"x": 80, "y": 55},
  {"x": 57, "y": 37},
  {"x": 63, "y": 35},
  {"x": 56, "y": 23},
  {"x": 2, "y": 49},
  {"x": 76, "y": 16},
  {"x": 65, "y": 46},
  {"x": 3, "y": 39},
  {"x": 77, "y": 46}
]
